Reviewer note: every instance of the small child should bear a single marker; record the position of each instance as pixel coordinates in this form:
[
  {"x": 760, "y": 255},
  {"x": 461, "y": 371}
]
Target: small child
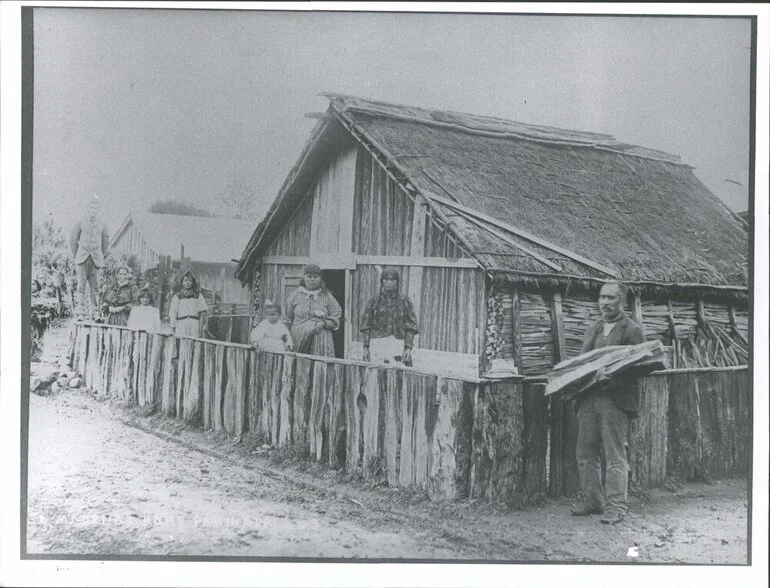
[
  {"x": 144, "y": 317},
  {"x": 271, "y": 334}
]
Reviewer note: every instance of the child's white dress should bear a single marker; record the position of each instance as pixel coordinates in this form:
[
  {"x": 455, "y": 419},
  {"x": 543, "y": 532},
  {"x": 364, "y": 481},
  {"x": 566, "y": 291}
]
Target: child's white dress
[
  {"x": 144, "y": 318},
  {"x": 271, "y": 337}
]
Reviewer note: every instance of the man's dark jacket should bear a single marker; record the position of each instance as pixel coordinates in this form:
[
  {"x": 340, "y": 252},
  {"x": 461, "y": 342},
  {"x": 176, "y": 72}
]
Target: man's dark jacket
[{"x": 621, "y": 389}]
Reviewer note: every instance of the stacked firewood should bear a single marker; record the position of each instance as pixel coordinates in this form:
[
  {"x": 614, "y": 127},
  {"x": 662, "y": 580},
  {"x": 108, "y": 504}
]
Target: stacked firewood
[
  {"x": 712, "y": 346},
  {"x": 495, "y": 340},
  {"x": 256, "y": 293}
]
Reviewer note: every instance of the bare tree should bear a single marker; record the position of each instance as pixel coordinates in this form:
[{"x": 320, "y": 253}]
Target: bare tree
[{"x": 239, "y": 200}]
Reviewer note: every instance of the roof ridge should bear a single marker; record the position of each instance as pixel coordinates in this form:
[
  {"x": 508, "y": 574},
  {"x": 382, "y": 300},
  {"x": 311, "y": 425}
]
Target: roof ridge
[{"x": 499, "y": 127}]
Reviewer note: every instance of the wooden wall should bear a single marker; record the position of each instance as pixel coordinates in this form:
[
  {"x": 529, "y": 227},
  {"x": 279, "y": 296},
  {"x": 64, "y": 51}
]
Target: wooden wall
[
  {"x": 131, "y": 242},
  {"x": 294, "y": 239},
  {"x": 382, "y": 213}
]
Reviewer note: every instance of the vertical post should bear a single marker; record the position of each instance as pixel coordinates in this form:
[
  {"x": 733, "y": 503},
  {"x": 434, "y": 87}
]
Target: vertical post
[
  {"x": 417, "y": 249},
  {"x": 701, "y": 315},
  {"x": 348, "y": 326},
  {"x": 636, "y": 311},
  {"x": 516, "y": 328},
  {"x": 557, "y": 326}
]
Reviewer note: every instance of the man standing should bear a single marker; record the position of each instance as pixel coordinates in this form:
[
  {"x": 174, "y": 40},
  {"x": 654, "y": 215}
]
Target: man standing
[
  {"x": 603, "y": 414},
  {"x": 89, "y": 243},
  {"x": 389, "y": 323}
]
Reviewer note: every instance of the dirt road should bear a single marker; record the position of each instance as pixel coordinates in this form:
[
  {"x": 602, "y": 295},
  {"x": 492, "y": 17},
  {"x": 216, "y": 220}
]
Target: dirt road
[{"x": 107, "y": 480}]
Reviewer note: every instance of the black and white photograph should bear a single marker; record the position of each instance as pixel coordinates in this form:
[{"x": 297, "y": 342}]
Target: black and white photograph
[{"x": 309, "y": 285}]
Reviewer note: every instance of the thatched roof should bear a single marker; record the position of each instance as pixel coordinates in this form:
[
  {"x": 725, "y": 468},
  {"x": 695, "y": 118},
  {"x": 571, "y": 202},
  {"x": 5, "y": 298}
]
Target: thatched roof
[
  {"x": 205, "y": 239},
  {"x": 541, "y": 203}
]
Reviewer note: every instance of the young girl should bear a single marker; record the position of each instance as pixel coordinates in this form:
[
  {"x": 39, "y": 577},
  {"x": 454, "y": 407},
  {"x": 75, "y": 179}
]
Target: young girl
[
  {"x": 188, "y": 308},
  {"x": 271, "y": 334},
  {"x": 120, "y": 298},
  {"x": 144, "y": 317}
]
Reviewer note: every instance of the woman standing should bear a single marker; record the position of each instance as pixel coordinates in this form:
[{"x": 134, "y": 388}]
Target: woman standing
[
  {"x": 119, "y": 298},
  {"x": 144, "y": 317},
  {"x": 188, "y": 308},
  {"x": 311, "y": 314}
]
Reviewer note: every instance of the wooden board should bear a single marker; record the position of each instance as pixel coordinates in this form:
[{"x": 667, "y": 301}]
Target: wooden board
[
  {"x": 372, "y": 418},
  {"x": 276, "y": 372},
  {"x": 497, "y": 467},
  {"x": 535, "y": 442},
  {"x": 234, "y": 401},
  {"x": 649, "y": 433},
  {"x": 153, "y": 379},
  {"x": 303, "y": 382},
  {"x": 335, "y": 382},
  {"x": 286, "y": 402},
  {"x": 392, "y": 425},
  {"x": 318, "y": 424},
  {"x": 168, "y": 388},
  {"x": 354, "y": 412},
  {"x": 255, "y": 394}
]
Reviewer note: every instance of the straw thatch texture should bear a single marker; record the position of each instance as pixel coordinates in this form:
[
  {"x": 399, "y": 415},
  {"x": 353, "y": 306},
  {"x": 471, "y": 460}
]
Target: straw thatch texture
[{"x": 636, "y": 211}]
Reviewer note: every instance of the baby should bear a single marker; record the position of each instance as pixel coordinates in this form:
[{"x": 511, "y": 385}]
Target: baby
[{"x": 271, "y": 334}]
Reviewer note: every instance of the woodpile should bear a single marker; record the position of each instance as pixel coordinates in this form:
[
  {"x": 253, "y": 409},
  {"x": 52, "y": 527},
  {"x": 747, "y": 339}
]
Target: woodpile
[{"x": 536, "y": 341}]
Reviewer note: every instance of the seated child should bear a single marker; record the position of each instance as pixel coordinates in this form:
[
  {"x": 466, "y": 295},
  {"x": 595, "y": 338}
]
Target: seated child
[
  {"x": 144, "y": 317},
  {"x": 271, "y": 334}
]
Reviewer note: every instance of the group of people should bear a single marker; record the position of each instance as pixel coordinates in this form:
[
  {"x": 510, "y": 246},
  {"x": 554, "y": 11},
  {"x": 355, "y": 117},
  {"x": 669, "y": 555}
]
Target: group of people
[
  {"x": 124, "y": 304},
  {"x": 388, "y": 323}
]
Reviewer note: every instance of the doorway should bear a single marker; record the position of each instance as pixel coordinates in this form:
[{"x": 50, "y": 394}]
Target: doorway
[{"x": 335, "y": 282}]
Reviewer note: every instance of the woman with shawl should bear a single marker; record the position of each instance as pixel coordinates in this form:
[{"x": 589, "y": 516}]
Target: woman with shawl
[
  {"x": 119, "y": 298},
  {"x": 389, "y": 323},
  {"x": 311, "y": 314},
  {"x": 188, "y": 308}
]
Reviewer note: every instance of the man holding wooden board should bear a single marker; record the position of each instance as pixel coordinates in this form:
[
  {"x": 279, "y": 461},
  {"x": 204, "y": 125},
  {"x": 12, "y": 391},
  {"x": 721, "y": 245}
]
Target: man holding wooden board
[{"x": 603, "y": 414}]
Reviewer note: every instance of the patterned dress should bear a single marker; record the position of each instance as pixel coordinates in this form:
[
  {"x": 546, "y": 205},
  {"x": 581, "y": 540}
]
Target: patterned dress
[
  {"x": 122, "y": 296},
  {"x": 302, "y": 314}
]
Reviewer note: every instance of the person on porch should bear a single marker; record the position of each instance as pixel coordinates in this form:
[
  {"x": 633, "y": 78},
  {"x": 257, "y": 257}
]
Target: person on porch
[
  {"x": 312, "y": 313},
  {"x": 604, "y": 413},
  {"x": 389, "y": 323}
]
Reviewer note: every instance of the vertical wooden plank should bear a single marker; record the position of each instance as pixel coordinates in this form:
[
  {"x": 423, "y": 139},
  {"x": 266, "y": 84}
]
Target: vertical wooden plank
[
  {"x": 302, "y": 402},
  {"x": 276, "y": 371},
  {"x": 218, "y": 396},
  {"x": 168, "y": 388},
  {"x": 192, "y": 395},
  {"x": 557, "y": 328},
  {"x": 563, "y": 474},
  {"x": 424, "y": 422},
  {"x": 154, "y": 368},
  {"x": 287, "y": 402},
  {"x": 451, "y": 441},
  {"x": 636, "y": 310},
  {"x": 417, "y": 249},
  {"x": 266, "y": 381},
  {"x": 184, "y": 365},
  {"x": 317, "y": 407},
  {"x": 516, "y": 328},
  {"x": 535, "y": 442},
  {"x": 114, "y": 384},
  {"x": 498, "y": 437},
  {"x": 392, "y": 421},
  {"x": 209, "y": 382},
  {"x": 83, "y": 333},
  {"x": 406, "y": 467},
  {"x": 649, "y": 432},
  {"x": 335, "y": 381},
  {"x": 241, "y": 390},
  {"x": 230, "y": 391},
  {"x": 255, "y": 394},
  {"x": 371, "y": 390},
  {"x": 88, "y": 357},
  {"x": 353, "y": 417}
]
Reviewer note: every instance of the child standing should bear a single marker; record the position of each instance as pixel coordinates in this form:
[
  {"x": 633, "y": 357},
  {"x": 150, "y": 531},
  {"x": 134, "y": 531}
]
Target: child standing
[
  {"x": 144, "y": 317},
  {"x": 271, "y": 334}
]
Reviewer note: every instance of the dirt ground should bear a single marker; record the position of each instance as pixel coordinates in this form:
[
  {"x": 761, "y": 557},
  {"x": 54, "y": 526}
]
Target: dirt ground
[{"x": 105, "y": 479}]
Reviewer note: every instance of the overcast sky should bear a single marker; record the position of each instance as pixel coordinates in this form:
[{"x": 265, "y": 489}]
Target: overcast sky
[{"x": 138, "y": 105}]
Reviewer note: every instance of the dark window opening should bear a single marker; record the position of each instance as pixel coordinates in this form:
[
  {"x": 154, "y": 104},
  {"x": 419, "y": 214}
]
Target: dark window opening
[{"x": 335, "y": 282}]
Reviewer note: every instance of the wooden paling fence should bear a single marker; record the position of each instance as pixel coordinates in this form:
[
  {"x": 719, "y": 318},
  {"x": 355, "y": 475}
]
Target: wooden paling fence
[
  {"x": 449, "y": 437},
  {"x": 694, "y": 424}
]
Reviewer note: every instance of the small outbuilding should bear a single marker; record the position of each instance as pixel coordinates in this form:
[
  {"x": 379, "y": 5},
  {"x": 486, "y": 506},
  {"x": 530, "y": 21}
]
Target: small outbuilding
[{"x": 503, "y": 233}]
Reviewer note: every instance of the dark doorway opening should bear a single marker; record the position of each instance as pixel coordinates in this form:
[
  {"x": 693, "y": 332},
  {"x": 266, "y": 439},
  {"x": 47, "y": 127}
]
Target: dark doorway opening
[{"x": 335, "y": 282}]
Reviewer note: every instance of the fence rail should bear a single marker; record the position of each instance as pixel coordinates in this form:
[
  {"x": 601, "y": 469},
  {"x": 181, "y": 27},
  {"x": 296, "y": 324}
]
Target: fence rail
[{"x": 450, "y": 437}]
